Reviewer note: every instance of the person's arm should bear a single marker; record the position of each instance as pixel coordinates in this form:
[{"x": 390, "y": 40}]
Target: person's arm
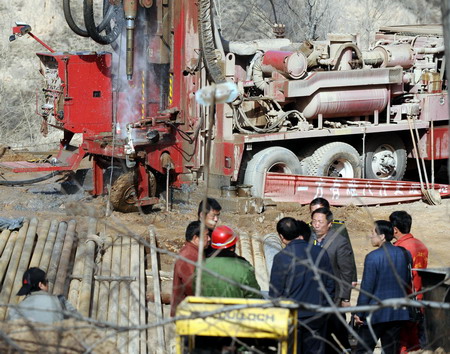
[
  {"x": 347, "y": 267},
  {"x": 251, "y": 282},
  {"x": 278, "y": 275},
  {"x": 367, "y": 284}
]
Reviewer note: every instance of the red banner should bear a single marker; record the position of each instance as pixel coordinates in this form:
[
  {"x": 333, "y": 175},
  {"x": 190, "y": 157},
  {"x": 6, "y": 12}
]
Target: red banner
[{"x": 343, "y": 191}]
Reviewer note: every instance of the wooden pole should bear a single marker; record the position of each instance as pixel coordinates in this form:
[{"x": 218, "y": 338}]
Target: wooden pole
[
  {"x": 47, "y": 252},
  {"x": 56, "y": 255},
  {"x": 42, "y": 234},
  {"x": 160, "y": 342},
  {"x": 24, "y": 259},
  {"x": 12, "y": 269},
  {"x": 89, "y": 265},
  {"x": 4, "y": 236},
  {"x": 61, "y": 275}
]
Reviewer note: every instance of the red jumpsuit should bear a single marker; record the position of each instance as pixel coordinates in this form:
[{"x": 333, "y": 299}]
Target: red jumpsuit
[{"x": 419, "y": 252}]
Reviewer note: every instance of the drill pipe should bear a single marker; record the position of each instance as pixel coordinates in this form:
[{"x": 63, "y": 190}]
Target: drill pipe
[{"x": 130, "y": 9}]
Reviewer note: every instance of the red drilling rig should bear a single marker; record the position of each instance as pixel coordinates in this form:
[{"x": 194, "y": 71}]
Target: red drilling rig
[{"x": 316, "y": 108}]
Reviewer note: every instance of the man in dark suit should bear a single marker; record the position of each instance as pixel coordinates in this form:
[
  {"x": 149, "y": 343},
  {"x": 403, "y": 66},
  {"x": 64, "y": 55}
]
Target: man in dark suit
[
  {"x": 385, "y": 277},
  {"x": 293, "y": 277},
  {"x": 342, "y": 259}
]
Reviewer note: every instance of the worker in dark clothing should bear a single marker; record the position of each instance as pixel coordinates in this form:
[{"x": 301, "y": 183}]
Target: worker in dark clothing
[
  {"x": 342, "y": 259},
  {"x": 336, "y": 225},
  {"x": 293, "y": 276}
]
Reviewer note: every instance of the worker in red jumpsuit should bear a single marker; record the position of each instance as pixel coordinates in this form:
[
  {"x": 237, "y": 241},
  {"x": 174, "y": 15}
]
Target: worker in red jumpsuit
[
  {"x": 183, "y": 273},
  {"x": 413, "y": 335}
]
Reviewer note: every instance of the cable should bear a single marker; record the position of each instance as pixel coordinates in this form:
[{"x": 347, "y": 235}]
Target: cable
[{"x": 29, "y": 181}]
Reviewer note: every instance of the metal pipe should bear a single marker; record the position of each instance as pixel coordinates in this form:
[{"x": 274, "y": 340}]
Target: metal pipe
[
  {"x": 10, "y": 274},
  {"x": 130, "y": 9},
  {"x": 61, "y": 275},
  {"x": 271, "y": 245},
  {"x": 89, "y": 265},
  {"x": 56, "y": 255},
  {"x": 42, "y": 234},
  {"x": 24, "y": 258},
  {"x": 47, "y": 251}
]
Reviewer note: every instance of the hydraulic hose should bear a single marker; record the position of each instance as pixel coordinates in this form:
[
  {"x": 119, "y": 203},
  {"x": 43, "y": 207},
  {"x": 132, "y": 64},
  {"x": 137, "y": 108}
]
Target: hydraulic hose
[
  {"x": 108, "y": 12},
  {"x": 111, "y": 33},
  {"x": 28, "y": 181},
  {"x": 207, "y": 43}
]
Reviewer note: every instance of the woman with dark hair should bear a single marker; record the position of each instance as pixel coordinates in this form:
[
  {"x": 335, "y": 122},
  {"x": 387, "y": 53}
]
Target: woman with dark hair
[
  {"x": 39, "y": 305},
  {"x": 385, "y": 277}
]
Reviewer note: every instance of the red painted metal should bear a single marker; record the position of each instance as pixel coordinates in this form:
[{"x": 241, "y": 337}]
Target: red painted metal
[
  {"x": 441, "y": 148},
  {"x": 87, "y": 103},
  {"x": 343, "y": 191}
]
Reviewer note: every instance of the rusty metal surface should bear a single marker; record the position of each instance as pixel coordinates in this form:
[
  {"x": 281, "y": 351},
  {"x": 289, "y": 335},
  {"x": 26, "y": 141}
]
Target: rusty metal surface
[{"x": 343, "y": 191}]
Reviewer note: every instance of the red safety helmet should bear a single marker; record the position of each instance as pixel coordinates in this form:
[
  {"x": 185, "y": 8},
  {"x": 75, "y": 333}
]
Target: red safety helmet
[{"x": 223, "y": 237}]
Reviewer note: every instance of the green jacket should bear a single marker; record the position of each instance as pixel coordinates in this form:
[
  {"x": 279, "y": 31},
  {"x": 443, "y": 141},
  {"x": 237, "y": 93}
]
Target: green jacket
[{"x": 233, "y": 267}]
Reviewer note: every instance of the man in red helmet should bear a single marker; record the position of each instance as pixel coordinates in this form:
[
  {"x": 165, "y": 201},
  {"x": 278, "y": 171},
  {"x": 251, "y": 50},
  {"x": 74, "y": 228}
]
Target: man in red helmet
[
  {"x": 183, "y": 273},
  {"x": 234, "y": 271}
]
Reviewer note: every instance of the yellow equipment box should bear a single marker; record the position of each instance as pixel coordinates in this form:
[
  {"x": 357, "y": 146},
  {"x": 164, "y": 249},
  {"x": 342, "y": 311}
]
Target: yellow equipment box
[{"x": 240, "y": 324}]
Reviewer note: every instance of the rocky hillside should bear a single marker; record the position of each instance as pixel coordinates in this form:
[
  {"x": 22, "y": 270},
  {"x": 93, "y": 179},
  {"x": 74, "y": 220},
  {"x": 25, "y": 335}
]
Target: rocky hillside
[{"x": 19, "y": 77}]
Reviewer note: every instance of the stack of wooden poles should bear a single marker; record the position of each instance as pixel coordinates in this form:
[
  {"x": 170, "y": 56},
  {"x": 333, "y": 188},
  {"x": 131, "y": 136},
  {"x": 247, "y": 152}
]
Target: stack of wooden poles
[{"x": 102, "y": 273}]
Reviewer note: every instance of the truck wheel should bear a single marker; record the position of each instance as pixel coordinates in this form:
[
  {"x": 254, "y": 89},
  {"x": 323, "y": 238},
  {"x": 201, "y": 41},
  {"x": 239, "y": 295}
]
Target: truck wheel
[
  {"x": 123, "y": 192},
  {"x": 273, "y": 159},
  {"x": 335, "y": 159},
  {"x": 385, "y": 158}
]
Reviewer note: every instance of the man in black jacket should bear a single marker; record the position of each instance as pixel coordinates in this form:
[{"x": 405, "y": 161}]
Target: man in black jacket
[
  {"x": 342, "y": 259},
  {"x": 294, "y": 276}
]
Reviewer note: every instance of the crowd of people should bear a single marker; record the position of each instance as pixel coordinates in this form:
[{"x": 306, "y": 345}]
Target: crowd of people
[{"x": 317, "y": 267}]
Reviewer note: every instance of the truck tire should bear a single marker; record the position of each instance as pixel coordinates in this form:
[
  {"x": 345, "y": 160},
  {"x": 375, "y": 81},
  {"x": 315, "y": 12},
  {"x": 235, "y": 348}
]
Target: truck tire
[
  {"x": 385, "y": 157},
  {"x": 335, "y": 159},
  {"x": 273, "y": 159},
  {"x": 123, "y": 192}
]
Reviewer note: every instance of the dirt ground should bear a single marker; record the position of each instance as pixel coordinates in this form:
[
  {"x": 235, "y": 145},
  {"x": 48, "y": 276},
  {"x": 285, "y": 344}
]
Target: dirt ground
[{"x": 60, "y": 198}]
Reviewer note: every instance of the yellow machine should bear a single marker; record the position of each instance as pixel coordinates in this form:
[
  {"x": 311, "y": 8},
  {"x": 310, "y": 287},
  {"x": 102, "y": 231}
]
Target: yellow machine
[{"x": 231, "y": 325}]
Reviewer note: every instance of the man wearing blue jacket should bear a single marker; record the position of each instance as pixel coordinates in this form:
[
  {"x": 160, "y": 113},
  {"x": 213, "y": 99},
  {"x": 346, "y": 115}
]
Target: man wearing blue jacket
[
  {"x": 385, "y": 277},
  {"x": 293, "y": 276}
]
